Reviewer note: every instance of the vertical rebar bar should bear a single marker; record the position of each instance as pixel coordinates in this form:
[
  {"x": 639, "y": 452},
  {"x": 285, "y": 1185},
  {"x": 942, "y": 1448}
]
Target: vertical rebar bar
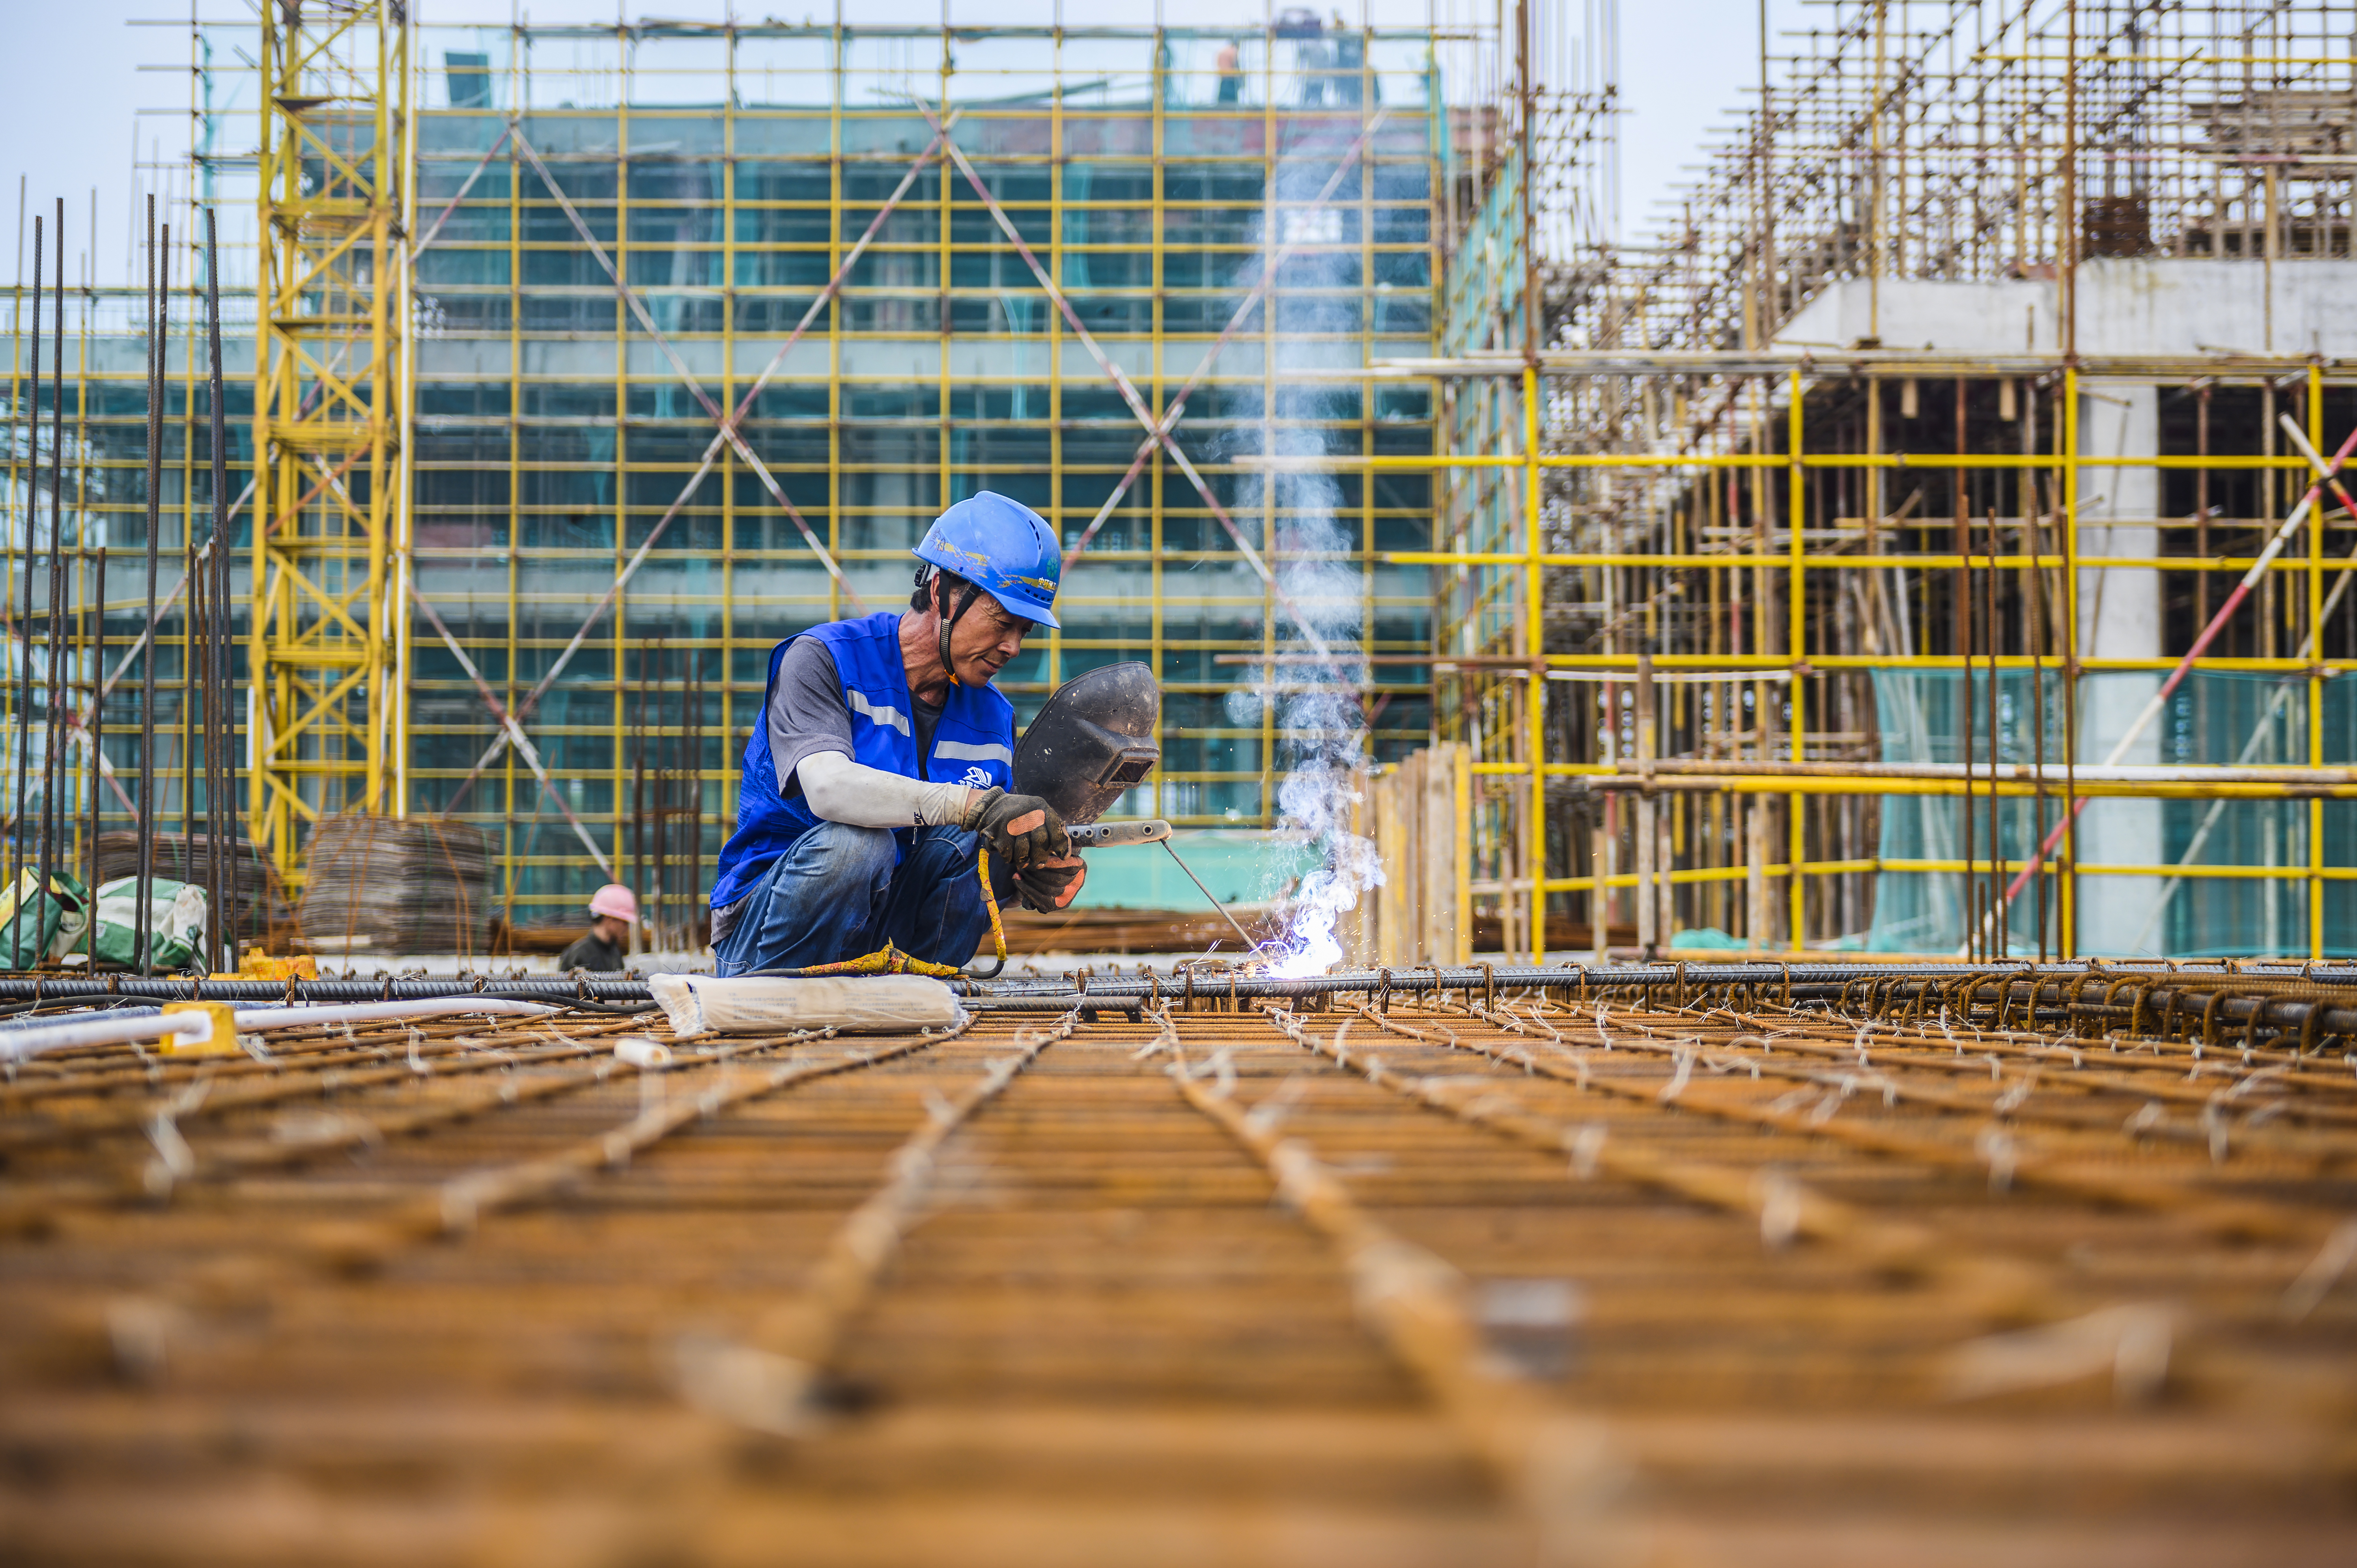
[
  {"x": 2067, "y": 890},
  {"x": 639, "y": 795},
  {"x": 194, "y": 629},
  {"x": 1962, "y": 498},
  {"x": 221, "y": 843},
  {"x": 54, "y": 734},
  {"x": 23, "y": 640},
  {"x": 2202, "y": 504},
  {"x": 91, "y": 623},
  {"x": 206, "y": 608},
  {"x": 1965, "y": 628},
  {"x": 94, "y": 717},
  {"x": 661, "y": 910},
  {"x": 1997, "y": 945},
  {"x": 2035, "y": 635},
  {"x": 159, "y": 272},
  {"x": 191, "y": 610},
  {"x": 693, "y": 937},
  {"x": 1646, "y": 808}
]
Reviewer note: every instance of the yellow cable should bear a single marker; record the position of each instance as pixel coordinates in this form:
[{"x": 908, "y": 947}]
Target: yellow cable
[{"x": 990, "y": 902}]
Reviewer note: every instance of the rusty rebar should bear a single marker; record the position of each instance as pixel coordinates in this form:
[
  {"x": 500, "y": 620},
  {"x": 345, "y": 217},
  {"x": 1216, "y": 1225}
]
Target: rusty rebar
[
  {"x": 159, "y": 279},
  {"x": 53, "y": 774},
  {"x": 21, "y": 642}
]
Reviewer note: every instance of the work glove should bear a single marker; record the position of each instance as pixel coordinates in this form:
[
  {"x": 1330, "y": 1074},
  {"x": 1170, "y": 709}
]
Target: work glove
[
  {"x": 1047, "y": 886},
  {"x": 1018, "y": 829}
]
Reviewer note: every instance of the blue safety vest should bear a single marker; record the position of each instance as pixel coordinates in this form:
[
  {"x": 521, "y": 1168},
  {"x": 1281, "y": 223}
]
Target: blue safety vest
[{"x": 973, "y": 745}]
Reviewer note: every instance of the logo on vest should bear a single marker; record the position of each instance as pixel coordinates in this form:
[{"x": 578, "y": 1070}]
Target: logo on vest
[{"x": 975, "y": 778}]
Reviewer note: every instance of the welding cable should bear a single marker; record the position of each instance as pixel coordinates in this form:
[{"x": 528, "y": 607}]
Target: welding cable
[
  {"x": 990, "y": 902},
  {"x": 889, "y": 959}
]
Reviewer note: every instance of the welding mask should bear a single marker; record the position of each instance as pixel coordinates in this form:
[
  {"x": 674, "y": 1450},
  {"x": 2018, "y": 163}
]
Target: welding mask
[{"x": 1093, "y": 740}]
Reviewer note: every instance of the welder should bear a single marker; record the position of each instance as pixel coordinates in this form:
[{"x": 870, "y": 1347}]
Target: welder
[{"x": 884, "y": 764}]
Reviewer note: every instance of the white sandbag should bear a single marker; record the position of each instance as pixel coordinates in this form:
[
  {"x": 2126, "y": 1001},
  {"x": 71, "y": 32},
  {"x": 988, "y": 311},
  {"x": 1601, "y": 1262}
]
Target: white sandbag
[{"x": 882, "y": 1004}]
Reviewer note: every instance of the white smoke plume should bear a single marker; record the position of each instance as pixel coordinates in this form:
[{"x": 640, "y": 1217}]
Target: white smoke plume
[{"x": 1322, "y": 742}]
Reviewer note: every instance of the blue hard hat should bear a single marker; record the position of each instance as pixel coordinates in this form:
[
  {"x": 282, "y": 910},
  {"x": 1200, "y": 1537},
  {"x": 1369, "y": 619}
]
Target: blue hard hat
[{"x": 1004, "y": 548}]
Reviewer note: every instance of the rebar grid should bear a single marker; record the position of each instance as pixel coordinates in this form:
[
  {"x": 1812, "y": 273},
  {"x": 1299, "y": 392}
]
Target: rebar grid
[{"x": 1494, "y": 1269}]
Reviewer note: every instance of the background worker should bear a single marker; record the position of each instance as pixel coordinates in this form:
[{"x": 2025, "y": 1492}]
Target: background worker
[
  {"x": 613, "y": 910},
  {"x": 884, "y": 761}
]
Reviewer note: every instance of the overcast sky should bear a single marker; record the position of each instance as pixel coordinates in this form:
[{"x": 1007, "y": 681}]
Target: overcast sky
[{"x": 81, "y": 72}]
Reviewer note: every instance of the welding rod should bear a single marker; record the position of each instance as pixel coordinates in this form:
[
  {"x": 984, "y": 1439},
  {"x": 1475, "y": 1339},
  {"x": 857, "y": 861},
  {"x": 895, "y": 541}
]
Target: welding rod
[{"x": 1222, "y": 908}]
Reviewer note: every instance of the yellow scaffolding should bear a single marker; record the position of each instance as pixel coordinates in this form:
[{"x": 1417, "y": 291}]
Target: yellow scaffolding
[
  {"x": 1613, "y": 527},
  {"x": 1505, "y": 682},
  {"x": 469, "y": 427},
  {"x": 331, "y": 493}
]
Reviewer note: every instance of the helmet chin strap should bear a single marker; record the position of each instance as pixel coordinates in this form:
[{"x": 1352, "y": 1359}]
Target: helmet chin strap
[{"x": 949, "y": 623}]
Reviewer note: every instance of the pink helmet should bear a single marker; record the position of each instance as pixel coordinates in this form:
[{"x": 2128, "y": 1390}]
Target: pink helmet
[{"x": 615, "y": 900}]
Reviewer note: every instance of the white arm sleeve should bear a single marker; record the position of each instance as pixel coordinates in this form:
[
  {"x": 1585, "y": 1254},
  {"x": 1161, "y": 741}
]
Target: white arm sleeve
[{"x": 842, "y": 790}]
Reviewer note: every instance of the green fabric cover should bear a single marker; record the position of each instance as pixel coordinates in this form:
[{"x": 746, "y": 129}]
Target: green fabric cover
[
  {"x": 52, "y": 922},
  {"x": 176, "y": 919}
]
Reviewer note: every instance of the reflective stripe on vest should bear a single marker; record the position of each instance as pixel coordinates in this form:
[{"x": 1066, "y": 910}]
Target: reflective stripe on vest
[
  {"x": 964, "y": 752},
  {"x": 877, "y": 713}
]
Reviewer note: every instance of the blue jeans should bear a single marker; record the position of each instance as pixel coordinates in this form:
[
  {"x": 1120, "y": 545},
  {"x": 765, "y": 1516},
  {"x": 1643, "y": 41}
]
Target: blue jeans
[{"x": 836, "y": 895}]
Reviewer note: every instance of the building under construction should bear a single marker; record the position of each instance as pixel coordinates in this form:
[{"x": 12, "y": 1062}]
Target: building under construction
[
  {"x": 515, "y": 279},
  {"x": 1860, "y": 525},
  {"x": 1920, "y": 561},
  {"x": 1910, "y": 458}
]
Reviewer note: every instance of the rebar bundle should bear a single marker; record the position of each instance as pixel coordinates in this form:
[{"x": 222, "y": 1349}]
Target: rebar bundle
[
  {"x": 417, "y": 885},
  {"x": 195, "y": 860}
]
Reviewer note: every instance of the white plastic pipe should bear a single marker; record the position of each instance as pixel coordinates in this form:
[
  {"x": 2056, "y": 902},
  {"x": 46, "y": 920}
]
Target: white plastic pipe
[
  {"x": 22, "y": 1045},
  {"x": 378, "y": 1011}
]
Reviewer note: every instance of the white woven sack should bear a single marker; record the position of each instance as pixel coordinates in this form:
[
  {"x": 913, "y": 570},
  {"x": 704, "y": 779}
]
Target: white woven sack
[{"x": 873, "y": 1003}]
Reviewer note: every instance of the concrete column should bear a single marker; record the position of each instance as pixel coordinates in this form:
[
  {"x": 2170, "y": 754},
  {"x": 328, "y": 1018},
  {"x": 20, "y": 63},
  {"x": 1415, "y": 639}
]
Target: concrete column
[{"x": 2119, "y": 618}]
